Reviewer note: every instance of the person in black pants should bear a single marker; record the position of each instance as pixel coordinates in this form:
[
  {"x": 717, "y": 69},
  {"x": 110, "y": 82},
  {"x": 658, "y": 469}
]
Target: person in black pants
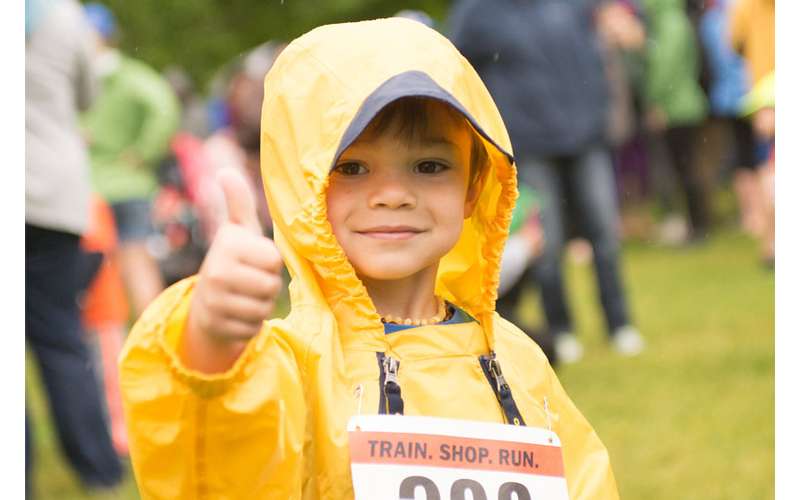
[
  {"x": 59, "y": 81},
  {"x": 541, "y": 62},
  {"x": 676, "y": 107},
  {"x": 56, "y": 271},
  {"x": 682, "y": 149}
]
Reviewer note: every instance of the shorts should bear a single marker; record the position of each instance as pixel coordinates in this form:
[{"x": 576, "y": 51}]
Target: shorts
[
  {"x": 764, "y": 150},
  {"x": 133, "y": 219}
]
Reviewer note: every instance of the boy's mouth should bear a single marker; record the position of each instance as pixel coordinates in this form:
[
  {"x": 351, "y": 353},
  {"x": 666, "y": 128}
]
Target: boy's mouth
[{"x": 390, "y": 232}]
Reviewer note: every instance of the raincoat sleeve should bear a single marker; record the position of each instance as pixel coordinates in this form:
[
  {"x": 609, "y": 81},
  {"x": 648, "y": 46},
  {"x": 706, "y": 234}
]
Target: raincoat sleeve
[
  {"x": 237, "y": 434},
  {"x": 161, "y": 118},
  {"x": 666, "y": 53},
  {"x": 586, "y": 461}
]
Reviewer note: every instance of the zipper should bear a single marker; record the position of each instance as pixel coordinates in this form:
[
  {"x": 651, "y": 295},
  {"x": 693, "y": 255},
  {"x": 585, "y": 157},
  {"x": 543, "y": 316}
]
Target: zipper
[
  {"x": 391, "y": 399},
  {"x": 501, "y": 389}
]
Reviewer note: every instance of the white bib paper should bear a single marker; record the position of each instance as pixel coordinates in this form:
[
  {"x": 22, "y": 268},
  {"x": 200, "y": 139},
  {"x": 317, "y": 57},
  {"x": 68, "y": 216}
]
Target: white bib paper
[{"x": 394, "y": 457}]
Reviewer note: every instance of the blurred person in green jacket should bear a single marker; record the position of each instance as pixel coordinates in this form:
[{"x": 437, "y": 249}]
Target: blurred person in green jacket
[
  {"x": 675, "y": 104},
  {"x": 129, "y": 128}
]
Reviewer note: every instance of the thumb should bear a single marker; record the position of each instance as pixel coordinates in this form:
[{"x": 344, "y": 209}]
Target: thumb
[{"x": 239, "y": 199}]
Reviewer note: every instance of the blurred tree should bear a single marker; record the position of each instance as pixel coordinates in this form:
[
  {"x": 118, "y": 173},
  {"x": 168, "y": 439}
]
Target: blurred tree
[{"x": 202, "y": 35}]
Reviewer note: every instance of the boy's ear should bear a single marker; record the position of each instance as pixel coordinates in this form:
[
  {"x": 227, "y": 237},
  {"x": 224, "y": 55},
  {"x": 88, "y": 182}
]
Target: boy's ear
[{"x": 473, "y": 193}]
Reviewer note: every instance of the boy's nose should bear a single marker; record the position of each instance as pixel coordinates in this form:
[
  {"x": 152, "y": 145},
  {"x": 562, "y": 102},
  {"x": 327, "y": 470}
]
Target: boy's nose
[{"x": 392, "y": 192}]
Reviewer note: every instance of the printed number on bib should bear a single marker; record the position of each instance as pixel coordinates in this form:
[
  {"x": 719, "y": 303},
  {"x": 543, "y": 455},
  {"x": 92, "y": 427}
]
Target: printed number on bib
[{"x": 424, "y": 458}]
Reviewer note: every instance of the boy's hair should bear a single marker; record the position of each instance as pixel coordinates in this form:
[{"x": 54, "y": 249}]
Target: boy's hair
[{"x": 412, "y": 121}]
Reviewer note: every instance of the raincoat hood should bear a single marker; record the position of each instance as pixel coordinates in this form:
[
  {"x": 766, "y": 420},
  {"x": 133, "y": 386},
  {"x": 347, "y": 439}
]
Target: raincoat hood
[{"x": 320, "y": 94}]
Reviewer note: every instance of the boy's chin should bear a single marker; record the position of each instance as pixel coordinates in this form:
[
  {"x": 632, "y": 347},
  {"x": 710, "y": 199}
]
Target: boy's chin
[
  {"x": 387, "y": 272},
  {"x": 385, "y": 275}
]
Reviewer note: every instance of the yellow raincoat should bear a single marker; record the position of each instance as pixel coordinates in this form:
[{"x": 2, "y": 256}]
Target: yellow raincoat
[{"x": 274, "y": 425}]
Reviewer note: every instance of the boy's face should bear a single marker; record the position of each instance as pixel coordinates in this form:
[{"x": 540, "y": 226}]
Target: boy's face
[{"x": 398, "y": 206}]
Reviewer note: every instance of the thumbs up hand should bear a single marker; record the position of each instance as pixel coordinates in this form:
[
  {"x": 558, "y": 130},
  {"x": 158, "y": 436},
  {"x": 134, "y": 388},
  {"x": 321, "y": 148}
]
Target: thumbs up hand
[{"x": 238, "y": 283}]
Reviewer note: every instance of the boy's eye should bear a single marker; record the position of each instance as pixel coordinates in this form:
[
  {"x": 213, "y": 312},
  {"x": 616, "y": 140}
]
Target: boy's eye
[
  {"x": 430, "y": 167},
  {"x": 350, "y": 168}
]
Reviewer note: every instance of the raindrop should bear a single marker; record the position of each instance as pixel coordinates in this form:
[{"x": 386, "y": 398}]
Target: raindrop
[{"x": 496, "y": 56}]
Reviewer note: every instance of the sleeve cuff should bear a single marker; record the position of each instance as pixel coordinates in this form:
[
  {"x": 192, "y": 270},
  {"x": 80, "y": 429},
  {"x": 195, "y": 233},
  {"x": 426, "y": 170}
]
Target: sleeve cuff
[{"x": 165, "y": 320}]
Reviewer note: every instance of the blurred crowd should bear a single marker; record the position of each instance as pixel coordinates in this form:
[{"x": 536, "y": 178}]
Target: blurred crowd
[{"x": 626, "y": 118}]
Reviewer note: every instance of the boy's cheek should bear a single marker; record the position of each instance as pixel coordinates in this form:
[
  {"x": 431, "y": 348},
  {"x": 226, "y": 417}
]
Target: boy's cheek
[{"x": 335, "y": 208}]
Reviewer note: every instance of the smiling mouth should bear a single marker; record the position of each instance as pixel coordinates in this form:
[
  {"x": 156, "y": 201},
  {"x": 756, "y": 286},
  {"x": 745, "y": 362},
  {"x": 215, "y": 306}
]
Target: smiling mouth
[{"x": 391, "y": 232}]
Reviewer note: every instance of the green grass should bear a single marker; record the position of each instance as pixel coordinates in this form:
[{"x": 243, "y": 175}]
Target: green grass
[
  {"x": 53, "y": 479},
  {"x": 691, "y": 418}
]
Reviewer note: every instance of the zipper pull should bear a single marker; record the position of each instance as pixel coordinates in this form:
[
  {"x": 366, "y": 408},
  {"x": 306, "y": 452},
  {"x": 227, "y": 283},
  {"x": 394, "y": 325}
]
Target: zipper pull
[
  {"x": 501, "y": 389},
  {"x": 497, "y": 374},
  {"x": 390, "y": 366},
  {"x": 391, "y": 387}
]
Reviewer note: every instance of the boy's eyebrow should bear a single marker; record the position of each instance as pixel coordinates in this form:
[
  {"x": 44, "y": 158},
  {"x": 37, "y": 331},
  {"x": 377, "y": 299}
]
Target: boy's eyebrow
[
  {"x": 429, "y": 141},
  {"x": 437, "y": 141}
]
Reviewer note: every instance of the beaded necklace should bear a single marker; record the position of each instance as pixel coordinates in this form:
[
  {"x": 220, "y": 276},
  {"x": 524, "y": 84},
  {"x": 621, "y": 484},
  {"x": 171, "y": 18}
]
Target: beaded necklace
[{"x": 441, "y": 315}]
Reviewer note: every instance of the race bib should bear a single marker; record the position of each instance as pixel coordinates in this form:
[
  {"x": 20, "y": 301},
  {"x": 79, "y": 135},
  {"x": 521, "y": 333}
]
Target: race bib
[{"x": 394, "y": 457}]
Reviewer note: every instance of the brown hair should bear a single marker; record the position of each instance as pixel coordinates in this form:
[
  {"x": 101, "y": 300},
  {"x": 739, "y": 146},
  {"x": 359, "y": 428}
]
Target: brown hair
[{"x": 411, "y": 119}]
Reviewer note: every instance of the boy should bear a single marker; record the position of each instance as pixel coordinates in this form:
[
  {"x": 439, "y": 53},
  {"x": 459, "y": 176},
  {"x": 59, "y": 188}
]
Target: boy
[{"x": 390, "y": 181}]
